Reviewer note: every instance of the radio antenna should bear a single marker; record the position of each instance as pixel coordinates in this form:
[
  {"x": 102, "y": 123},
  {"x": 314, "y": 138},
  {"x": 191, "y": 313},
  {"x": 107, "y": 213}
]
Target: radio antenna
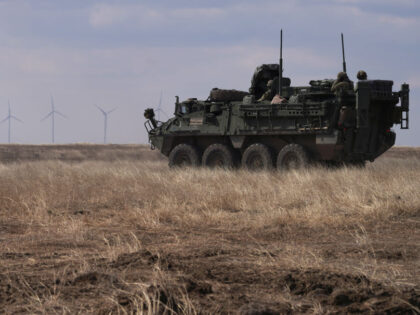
[
  {"x": 281, "y": 63},
  {"x": 344, "y": 57}
]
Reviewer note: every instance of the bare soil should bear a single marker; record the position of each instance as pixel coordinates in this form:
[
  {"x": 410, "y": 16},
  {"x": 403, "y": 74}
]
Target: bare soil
[{"x": 135, "y": 237}]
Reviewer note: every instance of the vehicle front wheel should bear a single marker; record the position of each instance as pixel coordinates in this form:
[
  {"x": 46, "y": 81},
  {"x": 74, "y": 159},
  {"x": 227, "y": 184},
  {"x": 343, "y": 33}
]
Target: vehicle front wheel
[
  {"x": 219, "y": 155},
  {"x": 257, "y": 156},
  {"x": 184, "y": 155},
  {"x": 292, "y": 156}
]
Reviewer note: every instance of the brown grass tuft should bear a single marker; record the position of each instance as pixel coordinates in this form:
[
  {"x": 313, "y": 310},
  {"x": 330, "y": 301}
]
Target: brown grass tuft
[{"x": 136, "y": 237}]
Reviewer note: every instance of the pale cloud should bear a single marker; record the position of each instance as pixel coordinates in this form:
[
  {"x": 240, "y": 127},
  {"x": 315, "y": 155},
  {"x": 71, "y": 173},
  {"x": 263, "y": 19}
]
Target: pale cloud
[
  {"x": 107, "y": 15},
  {"x": 26, "y": 62},
  {"x": 197, "y": 13},
  {"x": 347, "y": 1},
  {"x": 405, "y": 3},
  {"x": 308, "y": 58},
  {"x": 373, "y": 18},
  {"x": 349, "y": 10},
  {"x": 37, "y": 64},
  {"x": 393, "y": 20},
  {"x": 201, "y": 68},
  {"x": 414, "y": 82},
  {"x": 103, "y": 15},
  {"x": 398, "y": 21}
]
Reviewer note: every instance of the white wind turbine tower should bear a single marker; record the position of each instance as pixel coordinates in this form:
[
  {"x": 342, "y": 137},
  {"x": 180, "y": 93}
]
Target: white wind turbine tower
[
  {"x": 159, "y": 109},
  {"x": 52, "y": 114},
  {"x": 105, "y": 113},
  {"x": 9, "y": 118}
]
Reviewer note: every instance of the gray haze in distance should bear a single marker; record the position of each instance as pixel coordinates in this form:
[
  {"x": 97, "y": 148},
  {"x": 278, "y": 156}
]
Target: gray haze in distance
[{"x": 124, "y": 53}]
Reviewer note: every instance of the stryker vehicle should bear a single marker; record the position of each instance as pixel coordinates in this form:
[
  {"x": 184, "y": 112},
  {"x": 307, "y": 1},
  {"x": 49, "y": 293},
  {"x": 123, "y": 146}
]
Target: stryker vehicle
[{"x": 307, "y": 123}]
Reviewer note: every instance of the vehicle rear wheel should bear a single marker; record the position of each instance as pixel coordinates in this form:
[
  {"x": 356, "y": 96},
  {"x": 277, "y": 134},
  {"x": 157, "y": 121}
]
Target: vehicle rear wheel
[
  {"x": 219, "y": 155},
  {"x": 292, "y": 156},
  {"x": 257, "y": 156},
  {"x": 184, "y": 155}
]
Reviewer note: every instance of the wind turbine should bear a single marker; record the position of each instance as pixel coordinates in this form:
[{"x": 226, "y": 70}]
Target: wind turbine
[
  {"x": 105, "y": 113},
  {"x": 9, "y": 118},
  {"x": 52, "y": 115},
  {"x": 159, "y": 109}
]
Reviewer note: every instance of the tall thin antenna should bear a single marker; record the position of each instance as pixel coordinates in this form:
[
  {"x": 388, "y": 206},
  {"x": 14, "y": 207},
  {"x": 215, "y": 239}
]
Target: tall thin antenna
[
  {"x": 105, "y": 113},
  {"x": 281, "y": 63},
  {"x": 344, "y": 57},
  {"x": 9, "y": 119},
  {"x": 52, "y": 114}
]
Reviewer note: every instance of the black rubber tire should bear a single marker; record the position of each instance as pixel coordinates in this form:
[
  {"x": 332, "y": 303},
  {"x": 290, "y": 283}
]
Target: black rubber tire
[
  {"x": 258, "y": 156},
  {"x": 184, "y": 155},
  {"x": 292, "y": 156},
  {"x": 219, "y": 155},
  {"x": 220, "y": 95}
]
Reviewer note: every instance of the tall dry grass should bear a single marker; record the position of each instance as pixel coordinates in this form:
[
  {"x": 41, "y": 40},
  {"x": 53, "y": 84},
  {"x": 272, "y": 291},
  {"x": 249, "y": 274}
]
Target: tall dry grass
[
  {"x": 93, "y": 211},
  {"x": 148, "y": 194}
]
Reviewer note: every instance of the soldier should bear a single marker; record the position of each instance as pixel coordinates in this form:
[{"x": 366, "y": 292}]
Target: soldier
[
  {"x": 342, "y": 83},
  {"x": 267, "y": 96},
  {"x": 362, "y": 75},
  {"x": 277, "y": 99}
]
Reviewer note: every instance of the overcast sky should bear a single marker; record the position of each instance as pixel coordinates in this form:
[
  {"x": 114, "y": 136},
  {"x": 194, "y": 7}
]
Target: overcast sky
[{"x": 124, "y": 53}]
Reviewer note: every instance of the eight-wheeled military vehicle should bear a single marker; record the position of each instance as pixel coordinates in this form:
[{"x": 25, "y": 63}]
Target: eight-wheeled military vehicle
[{"x": 277, "y": 124}]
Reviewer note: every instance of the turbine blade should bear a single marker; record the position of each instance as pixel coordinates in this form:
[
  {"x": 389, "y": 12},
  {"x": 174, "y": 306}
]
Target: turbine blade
[
  {"x": 6, "y": 119},
  {"x": 15, "y": 118},
  {"x": 110, "y": 111},
  {"x": 167, "y": 116},
  {"x": 62, "y": 115},
  {"x": 103, "y": 112},
  {"x": 48, "y": 115},
  {"x": 160, "y": 110}
]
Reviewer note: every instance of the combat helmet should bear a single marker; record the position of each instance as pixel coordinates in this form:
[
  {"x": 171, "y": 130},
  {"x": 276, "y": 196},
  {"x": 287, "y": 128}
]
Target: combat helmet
[{"x": 362, "y": 75}]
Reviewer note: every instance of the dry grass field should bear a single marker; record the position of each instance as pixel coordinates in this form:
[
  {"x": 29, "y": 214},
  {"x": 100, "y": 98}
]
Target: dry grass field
[
  {"x": 132, "y": 236},
  {"x": 12, "y": 153}
]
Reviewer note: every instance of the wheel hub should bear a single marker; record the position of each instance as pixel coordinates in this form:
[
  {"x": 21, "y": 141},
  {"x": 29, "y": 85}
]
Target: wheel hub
[
  {"x": 183, "y": 160},
  {"x": 216, "y": 160},
  {"x": 256, "y": 161},
  {"x": 291, "y": 161}
]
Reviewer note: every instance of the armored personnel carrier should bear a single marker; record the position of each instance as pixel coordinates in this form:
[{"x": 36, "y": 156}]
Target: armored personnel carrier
[{"x": 279, "y": 125}]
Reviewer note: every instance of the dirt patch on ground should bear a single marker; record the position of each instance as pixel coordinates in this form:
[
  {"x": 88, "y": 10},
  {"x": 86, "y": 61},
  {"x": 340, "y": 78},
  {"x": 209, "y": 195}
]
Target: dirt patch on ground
[
  {"x": 213, "y": 284},
  {"x": 350, "y": 293}
]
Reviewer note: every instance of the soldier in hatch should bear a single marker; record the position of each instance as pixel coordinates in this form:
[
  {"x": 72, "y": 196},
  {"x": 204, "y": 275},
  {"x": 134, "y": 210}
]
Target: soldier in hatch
[
  {"x": 277, "y": 99},
  {"x": 268, "y": 95},
  {"x": 342, "y": 83},
  {"x": 346, "y": 114},
  {"x": 361, "y": 75}
]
